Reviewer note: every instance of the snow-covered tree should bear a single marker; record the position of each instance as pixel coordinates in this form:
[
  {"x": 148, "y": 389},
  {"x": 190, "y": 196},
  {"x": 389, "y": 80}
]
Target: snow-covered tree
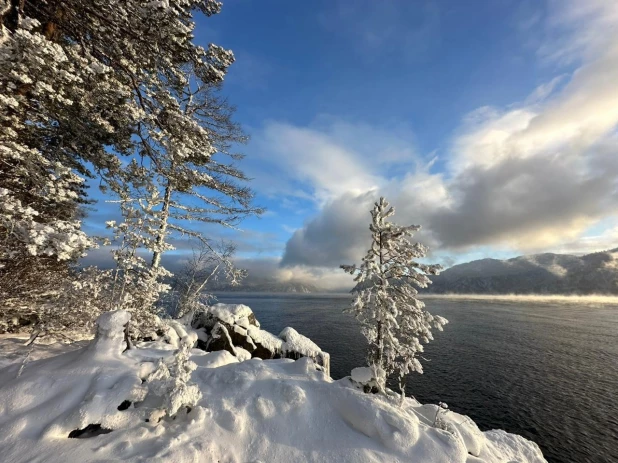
[
  {"x": 394, "y": 321},
  {"x": 136, "y": 285},
  {"x": 204, "y": 266},
  {"x": 60, "y": 117},
  {"x": 66, "y": 312},
  {"x": 86, "y": 84},
  {"x": 188, "y": 159}
]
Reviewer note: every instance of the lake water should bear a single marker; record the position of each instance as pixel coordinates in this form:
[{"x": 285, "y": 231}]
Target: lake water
[{"x": 547, "y": 371}]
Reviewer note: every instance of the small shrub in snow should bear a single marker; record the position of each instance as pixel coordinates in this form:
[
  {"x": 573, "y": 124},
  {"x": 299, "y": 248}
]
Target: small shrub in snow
[
  {"x": 438, "y": 422},
  {"x": 206, "y": 265},
  {"x": 136, "y": 285},
  {"x": 170, "y": 386}
]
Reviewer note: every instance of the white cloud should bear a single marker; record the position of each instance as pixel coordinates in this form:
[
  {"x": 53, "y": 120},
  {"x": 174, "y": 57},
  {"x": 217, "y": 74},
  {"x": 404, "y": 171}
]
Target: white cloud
[
  {"x": 268, "y": 269},
  {"x": 578, "y": 30},
  {"x": 532, "y": 176},
  {"x": 603, "y": 241},
  {"x": 316, "y": 159},
  {"x": 328, "y": 159}
]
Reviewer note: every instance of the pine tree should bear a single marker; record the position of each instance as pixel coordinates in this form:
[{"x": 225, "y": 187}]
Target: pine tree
[
  {"x": 187, "y": 157},
  {"x": 86, "y": 84},
  {"x": 394, "y": 321}
]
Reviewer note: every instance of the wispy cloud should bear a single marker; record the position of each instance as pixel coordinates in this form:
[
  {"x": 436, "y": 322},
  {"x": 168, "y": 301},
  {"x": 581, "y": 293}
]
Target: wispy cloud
[{"x": 329, "y": 158}]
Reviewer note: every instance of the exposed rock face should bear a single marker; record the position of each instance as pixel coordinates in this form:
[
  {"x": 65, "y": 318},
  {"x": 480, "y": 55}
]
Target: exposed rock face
[
  {"x": 232, "y": 327},
  {"x": 220, "y": 340}
]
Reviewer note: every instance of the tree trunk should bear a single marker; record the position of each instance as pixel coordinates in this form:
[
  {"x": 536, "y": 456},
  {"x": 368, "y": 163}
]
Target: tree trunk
[
  {"x": 380, "y": 352},
  {"x": 380, "y": 339},
  {"x": 10, "y": 16},
  {"x": 402, "y": 388},
  {"x": 156, "y": 255}
]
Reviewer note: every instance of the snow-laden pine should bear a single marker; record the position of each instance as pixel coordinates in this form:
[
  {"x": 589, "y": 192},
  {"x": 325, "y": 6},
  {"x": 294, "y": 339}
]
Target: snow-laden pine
[
  {"x": 394, "y": 321},
  {"x": 117, "y": 92}
]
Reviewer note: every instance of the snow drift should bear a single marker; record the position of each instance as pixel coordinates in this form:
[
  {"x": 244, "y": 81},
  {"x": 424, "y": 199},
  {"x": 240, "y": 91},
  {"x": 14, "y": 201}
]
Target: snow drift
[{"x": 274, "y": 411}]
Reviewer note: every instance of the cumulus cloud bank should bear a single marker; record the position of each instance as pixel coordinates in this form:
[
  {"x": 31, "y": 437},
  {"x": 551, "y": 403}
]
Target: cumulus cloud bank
[{"x": 533, "y": 176}]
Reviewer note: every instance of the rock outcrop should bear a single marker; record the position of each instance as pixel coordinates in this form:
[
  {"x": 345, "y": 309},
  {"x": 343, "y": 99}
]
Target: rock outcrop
[{"x": 234, "y": 328}]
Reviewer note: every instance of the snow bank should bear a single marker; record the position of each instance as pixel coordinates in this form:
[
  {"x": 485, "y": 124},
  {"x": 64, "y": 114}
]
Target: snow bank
[
  {"x": 274, "y": 411},
  {"x": 56, "y": 396}
]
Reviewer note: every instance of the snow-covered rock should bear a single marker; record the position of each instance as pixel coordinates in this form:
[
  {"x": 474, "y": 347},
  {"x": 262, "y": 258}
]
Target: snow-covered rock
[
  {"x": 234, "y": 314},
  {"x": 220, "y": 339},
  {"x": 110, "y": 337},
  {"x": 234, "y": 328},
  {"x": 368, "y": 378},
  {"x": 275, "y": 411},
  {"x": 461, "y": 426},
  {"x": 296, "y": 345}
]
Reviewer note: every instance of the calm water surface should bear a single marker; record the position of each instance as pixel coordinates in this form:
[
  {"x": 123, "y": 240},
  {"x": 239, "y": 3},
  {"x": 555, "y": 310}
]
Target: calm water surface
[{"x": 547, "y": 371}]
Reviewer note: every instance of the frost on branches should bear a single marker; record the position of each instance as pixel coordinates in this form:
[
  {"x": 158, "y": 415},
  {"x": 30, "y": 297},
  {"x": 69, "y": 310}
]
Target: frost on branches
[
  {"x": 206, "y": 265},
  {"x": 393, "y": 320},
  {"x": 119, "y": 92},
  {"x": 136, "y": 286}
]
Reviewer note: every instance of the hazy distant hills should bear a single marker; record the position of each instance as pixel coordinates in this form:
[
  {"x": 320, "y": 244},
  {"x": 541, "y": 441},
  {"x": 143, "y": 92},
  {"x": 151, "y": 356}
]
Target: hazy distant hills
[
  {"x": 547, "y": 273},
  {"x": 268, "y": 286}
]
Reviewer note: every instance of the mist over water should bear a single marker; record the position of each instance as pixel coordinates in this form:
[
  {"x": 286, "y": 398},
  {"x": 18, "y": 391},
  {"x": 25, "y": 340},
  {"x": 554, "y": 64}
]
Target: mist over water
[{"x": 542, "y": 368}]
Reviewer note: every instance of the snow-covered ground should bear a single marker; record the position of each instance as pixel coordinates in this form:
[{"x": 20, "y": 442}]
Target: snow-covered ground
[{"x": 270, "y": 411}]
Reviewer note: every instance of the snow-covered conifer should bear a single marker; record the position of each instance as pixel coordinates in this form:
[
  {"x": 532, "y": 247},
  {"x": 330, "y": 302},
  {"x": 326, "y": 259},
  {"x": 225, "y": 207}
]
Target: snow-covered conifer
[
  {"x": 394, "y": 321},
  {"x": 85, "y": 84}
]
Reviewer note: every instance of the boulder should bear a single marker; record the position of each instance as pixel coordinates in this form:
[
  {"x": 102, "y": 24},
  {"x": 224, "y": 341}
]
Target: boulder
[
  {"x": 232, "y": 326},
  {"x": 220, "y": 340},
  {"x": 240, "y": 337},
  {"x": 267, "y": 345},
  {"x": 296, "y": 345},
  {"x": 230, "y": 314},
  {"x": 368, "y": 378}
]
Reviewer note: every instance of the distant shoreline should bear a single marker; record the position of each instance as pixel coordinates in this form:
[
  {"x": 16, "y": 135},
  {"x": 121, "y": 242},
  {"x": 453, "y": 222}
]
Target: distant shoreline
[{"x": 569, "y": 298}]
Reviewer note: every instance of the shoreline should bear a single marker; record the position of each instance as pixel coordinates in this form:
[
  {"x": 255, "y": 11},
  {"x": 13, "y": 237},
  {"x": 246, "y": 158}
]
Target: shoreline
[{"x": 567, "y": 298}]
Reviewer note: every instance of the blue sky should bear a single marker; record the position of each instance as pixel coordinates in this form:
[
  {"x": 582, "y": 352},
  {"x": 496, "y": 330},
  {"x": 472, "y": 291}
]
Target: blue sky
[{"x": 490, "y": 123}]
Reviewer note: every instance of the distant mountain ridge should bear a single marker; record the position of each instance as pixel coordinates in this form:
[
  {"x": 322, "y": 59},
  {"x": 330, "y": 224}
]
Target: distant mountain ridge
[
  {"x": 267, "y": 286},
  {"x": 547, "y": 273}
]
